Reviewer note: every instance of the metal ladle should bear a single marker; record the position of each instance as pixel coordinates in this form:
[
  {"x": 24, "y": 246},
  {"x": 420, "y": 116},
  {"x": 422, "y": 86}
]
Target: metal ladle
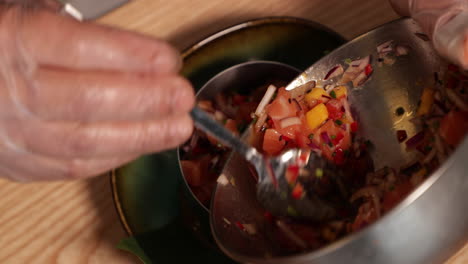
[{"x": 273, "y": 190}]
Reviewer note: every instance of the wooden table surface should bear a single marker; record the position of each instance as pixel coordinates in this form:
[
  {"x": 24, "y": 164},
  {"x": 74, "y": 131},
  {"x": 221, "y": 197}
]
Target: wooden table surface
[{"x": 75, "y": 222}]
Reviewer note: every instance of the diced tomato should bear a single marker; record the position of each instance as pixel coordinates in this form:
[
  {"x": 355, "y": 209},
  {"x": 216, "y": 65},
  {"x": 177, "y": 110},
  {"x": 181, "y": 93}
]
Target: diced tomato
[
  {"x": 393, "y": 197},
  {"x": 334, "y": 109},
  {"x": 272, "y": 143},
  {"x": 282, "y": 106},
  {"x": 454, "y": 127},
  {"x": 302, "y": 140},
  {"x": 332, "y": 129},
  {"x": 290, "y": 131},
  {"x": 338, "y": 138}
]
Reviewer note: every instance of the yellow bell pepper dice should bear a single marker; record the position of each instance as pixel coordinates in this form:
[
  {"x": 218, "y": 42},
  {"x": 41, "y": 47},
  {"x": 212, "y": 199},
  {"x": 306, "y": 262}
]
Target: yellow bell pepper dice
[
  {"x": 316, "y": 116},
  {"x": 340, "y": 91},
  {"x": 427, "y": 99},
  {"x": 315, "y": 94}
]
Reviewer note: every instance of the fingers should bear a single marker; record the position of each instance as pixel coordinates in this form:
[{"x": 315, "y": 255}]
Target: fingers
[
  {"x": 451, "y": 39},
  {"x": 446, "y": 23},
  {"x": 62, "y": 41},
  {"x": 105, "y": 96},
  {"x": 40, "y": 168},
  {"x": 65, "y": 140}
]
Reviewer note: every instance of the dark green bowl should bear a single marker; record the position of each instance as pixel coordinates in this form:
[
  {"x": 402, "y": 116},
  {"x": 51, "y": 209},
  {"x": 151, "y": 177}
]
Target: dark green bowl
[{"x": 152, "y": 199}]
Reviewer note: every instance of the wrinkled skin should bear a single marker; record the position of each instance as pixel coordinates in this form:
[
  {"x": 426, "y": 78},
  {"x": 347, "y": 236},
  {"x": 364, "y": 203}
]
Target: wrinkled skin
[
  {"x": 77, "y": 99},
  {"x": 445, "y": 21}
]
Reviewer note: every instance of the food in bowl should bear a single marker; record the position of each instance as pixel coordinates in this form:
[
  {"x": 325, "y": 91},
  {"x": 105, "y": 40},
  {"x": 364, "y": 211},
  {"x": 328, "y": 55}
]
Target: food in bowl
[
  {"x": 203, "y": 157},
  {"x": 319, "y": 118}
]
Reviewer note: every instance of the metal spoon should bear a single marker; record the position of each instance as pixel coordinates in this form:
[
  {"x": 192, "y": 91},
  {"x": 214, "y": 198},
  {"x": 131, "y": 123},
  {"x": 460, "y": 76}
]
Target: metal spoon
[{"x": 273, "y": 190}]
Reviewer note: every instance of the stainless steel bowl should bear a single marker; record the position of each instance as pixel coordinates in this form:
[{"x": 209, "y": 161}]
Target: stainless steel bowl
[{"x": 426, "y": 227}]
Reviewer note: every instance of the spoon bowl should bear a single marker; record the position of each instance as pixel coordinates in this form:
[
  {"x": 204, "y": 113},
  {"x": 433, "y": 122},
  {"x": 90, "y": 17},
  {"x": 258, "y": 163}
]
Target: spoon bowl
[{"x": 273, "y": 190}]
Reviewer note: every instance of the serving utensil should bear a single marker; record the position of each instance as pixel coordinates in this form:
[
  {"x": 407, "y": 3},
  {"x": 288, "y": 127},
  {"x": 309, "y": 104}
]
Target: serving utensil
[
  {"x": 272, "y": 188},
  {"x": 427, "y": 226}
]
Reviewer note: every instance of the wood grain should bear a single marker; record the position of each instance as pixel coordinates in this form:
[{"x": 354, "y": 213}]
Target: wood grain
[{"x": 75, "y": 222}]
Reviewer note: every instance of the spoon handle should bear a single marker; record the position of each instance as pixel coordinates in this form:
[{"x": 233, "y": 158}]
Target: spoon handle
[{"x": 206, "y": 123}]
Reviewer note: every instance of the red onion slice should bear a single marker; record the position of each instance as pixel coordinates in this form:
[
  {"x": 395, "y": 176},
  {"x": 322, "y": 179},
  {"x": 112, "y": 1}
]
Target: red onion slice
[
  {"x": 364, "y": 62},
  {"x": 370, "y": 192},
  {"x": 302, "y": 89},
  {"x": 422, "y": 36},
  {"x": 312, "y": 145},
  {"x": 329, "y": 87},
  {"x": 401, "y": 135},
  {"x": 265, "y": 100},
  {"x": 456, "y": 100},
  {"x": 260, "y": 121},
  {"x": 401, "y": 50},
  {"x": 335, "y": 71},
  {"x": 385, "y": 47},
  {"x": 349, "y": 116},
  {"x": 360, "y": 79},
  {"x": 298, "y": 106},
  {"x": 415, "y": 140},
  {"x": 326, "y": 138},
  {"x": 290, "y": 121}
]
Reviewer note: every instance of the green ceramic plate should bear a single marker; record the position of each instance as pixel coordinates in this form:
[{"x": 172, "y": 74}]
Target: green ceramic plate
[{"x": 151, "y": 197}]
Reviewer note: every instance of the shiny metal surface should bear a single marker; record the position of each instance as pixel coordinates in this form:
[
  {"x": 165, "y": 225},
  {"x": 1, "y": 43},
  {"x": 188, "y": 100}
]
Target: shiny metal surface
[
  {"x": 426, "y": 227},
  {"x": 271, "y": 171},
  {"x": 90, "y": 9}
]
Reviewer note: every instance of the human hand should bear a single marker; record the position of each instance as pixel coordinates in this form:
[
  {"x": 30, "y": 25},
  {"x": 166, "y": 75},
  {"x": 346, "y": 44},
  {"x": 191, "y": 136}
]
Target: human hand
[
  {"x": 77, "y": 99},
  {"x": 445, "y": 21}
]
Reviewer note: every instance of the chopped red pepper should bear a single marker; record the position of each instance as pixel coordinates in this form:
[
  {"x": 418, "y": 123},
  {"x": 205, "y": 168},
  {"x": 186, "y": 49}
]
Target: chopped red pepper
[
  {"x": 240, "y": 225},
  {"x": 354, "y": 127},
  {"x": 291, "y": 173},
  {"x": 270, "y": 122},
  {"x": 297, "y": 192},
  {"x": 338, "y": 156},
  {"x": 338, "y": 138},
  {"x": 368, "y": 70},
  {"x": 303, "y": 158},
  {"x": 334, "y": 109}
]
